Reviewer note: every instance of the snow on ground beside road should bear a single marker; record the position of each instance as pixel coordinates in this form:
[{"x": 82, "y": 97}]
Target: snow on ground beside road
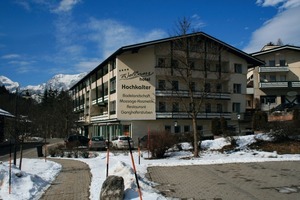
[{"x": 38, "y": 174}]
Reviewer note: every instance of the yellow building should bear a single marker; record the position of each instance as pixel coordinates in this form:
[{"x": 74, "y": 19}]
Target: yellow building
[
  {"x": 275, "y": 85},
  {"x": 141, "y": 87}
]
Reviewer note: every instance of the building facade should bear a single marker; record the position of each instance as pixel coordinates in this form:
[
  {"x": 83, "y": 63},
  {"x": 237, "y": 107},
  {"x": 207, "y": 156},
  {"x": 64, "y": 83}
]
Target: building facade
[
  {"x": 275, "y": 85},
  {"x": 151, "y": 86}
]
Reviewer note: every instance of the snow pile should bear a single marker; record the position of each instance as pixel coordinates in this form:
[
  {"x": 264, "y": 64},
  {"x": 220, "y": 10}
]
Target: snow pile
[{"x": 30, "y": 182}]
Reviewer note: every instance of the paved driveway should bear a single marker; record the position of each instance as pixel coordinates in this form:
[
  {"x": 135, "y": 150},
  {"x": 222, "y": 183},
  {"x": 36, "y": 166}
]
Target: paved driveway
[{"x": 251, "y": 181}]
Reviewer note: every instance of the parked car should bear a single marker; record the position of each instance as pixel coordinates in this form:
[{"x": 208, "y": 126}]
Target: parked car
[
  {"x": 97, "y": 142},
  {"x": 76, "y": 141},
  {"x": 121, "y": 142}
]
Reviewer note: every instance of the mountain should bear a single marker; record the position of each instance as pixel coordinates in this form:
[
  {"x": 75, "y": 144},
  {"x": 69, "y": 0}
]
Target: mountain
[
  {"x": 58, "y": 82},
  {"x": 9, "y": 84}
]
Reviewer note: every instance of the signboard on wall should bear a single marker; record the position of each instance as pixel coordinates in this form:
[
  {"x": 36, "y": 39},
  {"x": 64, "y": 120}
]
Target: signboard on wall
[{"x": 136, "y": 94}]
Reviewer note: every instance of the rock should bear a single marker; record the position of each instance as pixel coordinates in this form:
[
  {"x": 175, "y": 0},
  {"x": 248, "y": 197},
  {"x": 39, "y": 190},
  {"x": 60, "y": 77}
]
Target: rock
[{"x": 112, "y": 188}]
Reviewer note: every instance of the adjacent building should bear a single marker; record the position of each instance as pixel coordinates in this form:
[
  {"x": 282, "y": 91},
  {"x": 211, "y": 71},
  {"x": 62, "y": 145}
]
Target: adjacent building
[
  {"x": 3, "y": 114},
  {"x": 146, "y": 87},
  {"x": 275, "y": 85}
]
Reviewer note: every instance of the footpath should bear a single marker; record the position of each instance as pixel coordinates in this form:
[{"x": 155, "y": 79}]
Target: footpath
[{"x": 72, "y": 183}]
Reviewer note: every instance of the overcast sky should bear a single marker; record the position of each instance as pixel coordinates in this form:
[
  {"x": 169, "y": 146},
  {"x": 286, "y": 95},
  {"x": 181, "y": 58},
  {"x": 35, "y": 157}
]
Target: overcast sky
[{"x": 42, "y": 38}]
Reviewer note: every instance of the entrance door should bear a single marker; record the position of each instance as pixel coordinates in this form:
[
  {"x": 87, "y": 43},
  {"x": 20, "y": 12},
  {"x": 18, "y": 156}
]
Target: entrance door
[{"x": 127, "y": 130}]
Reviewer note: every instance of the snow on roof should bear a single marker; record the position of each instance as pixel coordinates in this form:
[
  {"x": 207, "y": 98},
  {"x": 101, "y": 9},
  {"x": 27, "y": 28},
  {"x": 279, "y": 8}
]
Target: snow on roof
[{"x": 5, "y": 113}]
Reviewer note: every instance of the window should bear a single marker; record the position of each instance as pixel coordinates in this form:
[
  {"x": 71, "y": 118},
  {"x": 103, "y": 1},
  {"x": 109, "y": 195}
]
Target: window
[
  {"x": 112, "y": 65},
  {"x": 236, "y": 107},
  {"x": 218, "y": 68},
  {"x": 161, "y": 84},
  {"x": 272, "y": 77},
  {"x": 175, "y": 107},
  {"x": 272, "y": 63},
  {"x": 207, "y": 107},
  {"x": 200, "y": 130},
  {"x": 207, "y": 67},
  {"x": 267, "y": 99},
  {"x": 219, "y": 87},
  {"x": 105, "y": 70},
  {"x": 219, "y": 108},
  {"x": 238, "y": 68},
  {"x": 282, "y": 77},
  {"x": 112, "y": 107},
  {"x": 175, "y": 85},
  {"x": 175, "y": 63},
  {"x": 113, "y": 85},
  {"x": 162, "y": 106},
  {"x": 207, "y": 87},
  {"x": 263, "y": 78},
  {"x": 282, "y": 63},
  {"x": 192, "y": 65},
  {"x": 248, "y": 103},
  {"x": 193, "y": 86},
  {"x": 186, "y": 129},
  {"x": 191, "y": 107},
  {"x": 167, "y": 128},
  {"x": 237, "y": 88},
  {"x": 161, "y": 62},
  {"x": 177, "y": 129},
  {"x": 105, "y": 88}
]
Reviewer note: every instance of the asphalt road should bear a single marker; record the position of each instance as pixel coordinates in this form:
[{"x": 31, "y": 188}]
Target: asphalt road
[
  {"x": 29, "y": 151},
  {"x": 245, "y": 181}
]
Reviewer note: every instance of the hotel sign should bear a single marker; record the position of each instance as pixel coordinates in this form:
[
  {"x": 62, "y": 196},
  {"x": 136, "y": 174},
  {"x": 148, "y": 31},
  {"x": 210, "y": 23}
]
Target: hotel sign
[{"x": 136, "y": 94}]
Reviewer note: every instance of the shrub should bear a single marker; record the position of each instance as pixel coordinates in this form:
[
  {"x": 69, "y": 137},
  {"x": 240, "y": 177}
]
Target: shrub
[
  {"x": 260, "y": 121},
  {"x": 283, "y": 130},
  {"x": 85, "y": 154},
  {"x": 52, "y": 151},
  {"x": 160, "y": 142},
  {"x": 218, "y": 126}
]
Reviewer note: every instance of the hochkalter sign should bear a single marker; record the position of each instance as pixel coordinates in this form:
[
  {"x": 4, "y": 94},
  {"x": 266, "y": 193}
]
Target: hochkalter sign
[{"x": 136, "y": 94}]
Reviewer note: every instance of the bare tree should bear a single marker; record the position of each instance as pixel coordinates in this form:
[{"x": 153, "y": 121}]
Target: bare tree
[{"x": 194, "y": 63}]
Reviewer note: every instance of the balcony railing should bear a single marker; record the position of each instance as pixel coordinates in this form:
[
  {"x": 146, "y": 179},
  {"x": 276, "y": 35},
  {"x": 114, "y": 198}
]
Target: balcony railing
[
  {"x": 102, "y": 116},
  {"x": 185, "y": 93},
  {"x": 274, "y": 69},
  {"x": 170, "y": 115},
  {"x": 101, "y": 100},
  {"x": 280, "y": 84},
  {"x": 79, "y": 108}
]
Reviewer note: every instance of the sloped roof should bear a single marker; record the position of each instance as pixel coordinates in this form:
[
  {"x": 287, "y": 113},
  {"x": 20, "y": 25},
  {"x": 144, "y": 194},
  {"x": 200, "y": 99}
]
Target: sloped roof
[
  {"x": 277, "y": 48},
  {"x": 250, "y": 59},
  {"x": 5, "y": 113}
]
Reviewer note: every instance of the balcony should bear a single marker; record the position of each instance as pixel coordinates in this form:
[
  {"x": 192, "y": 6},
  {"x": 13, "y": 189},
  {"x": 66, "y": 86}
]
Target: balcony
[
  {"x": 79, "y": 108},
  {"x": 101, "y": 101},
  {"x": 273, "y": 84},
  {"x": 280, "y": 84},
  {"x": 274, "y": 69},
  {"x": 185, "y": 93},
  {"x": 103, "y": 116},
  {"x": 184, "y": 115}
]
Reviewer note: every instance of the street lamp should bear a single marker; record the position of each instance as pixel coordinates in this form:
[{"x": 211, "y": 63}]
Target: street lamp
[{"x": 239, "y": 117}]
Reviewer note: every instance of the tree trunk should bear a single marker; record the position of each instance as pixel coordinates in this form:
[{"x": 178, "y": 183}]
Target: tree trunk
[{"x": 195, "y": 137}]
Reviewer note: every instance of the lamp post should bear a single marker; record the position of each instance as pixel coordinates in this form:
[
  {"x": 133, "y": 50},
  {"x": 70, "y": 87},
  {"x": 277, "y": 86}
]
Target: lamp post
[{"x": 239, "y": 117}]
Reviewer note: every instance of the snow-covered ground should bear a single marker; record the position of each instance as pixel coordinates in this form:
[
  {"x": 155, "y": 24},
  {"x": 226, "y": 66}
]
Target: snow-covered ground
[{"x": 38, "y": 174}]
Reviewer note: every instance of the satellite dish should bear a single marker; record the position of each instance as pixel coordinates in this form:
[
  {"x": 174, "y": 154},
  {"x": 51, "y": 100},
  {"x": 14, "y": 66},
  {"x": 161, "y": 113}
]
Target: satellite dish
[{"x": 291, "y": 93}]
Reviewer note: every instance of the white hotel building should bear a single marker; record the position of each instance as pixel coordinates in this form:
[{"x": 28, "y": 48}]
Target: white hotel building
[{"x": 129, "y": 92}]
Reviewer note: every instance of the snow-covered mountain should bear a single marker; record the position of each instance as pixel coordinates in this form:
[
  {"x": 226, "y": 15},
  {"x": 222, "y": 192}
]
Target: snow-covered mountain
[
  {"x": 58, "y": 82},
  {"x": 9, "y": 84}
]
